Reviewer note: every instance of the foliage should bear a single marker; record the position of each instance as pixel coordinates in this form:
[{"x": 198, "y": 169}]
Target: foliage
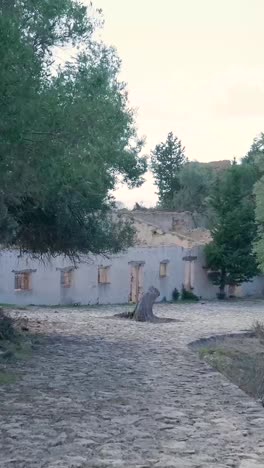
[
  {"x": 188, "y": 295},
  {"x": 259, "y": 211},
  {"x": 259, "y": 244},
  {"x": 7, "y": 330},
  {"x": 7, "y": 378},
  {"x": 175, "y": 295},
  {"x": 256, "y": 151},
  {"x": 13, "y": 345},
  {"x": 167, "y": 160},
  {"x": 258, "y": 329},
  {"x": 196, "y": 181},
  {"x": 67, "y": 133},
  {"x": 230, "y": 254},
  {"x": 255, "y": 158}
]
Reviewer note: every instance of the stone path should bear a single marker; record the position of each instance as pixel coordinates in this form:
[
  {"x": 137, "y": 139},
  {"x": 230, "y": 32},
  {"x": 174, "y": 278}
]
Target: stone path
[{"x": 110, "y": 393}]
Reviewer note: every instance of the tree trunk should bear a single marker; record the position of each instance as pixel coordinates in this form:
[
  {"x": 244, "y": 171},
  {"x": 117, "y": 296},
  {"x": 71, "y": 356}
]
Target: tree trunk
[
  {"x": 143, "y": 311},
  {"x": 222, "y": 285}
]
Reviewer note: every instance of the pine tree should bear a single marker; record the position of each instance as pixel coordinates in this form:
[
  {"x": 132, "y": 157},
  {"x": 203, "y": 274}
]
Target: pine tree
[
  {"x": 230, "y": 255},
  {"x": 167, "y": 159}
]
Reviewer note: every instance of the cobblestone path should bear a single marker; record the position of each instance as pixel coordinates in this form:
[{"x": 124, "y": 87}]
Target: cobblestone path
[{"x": 110, "y": 393}]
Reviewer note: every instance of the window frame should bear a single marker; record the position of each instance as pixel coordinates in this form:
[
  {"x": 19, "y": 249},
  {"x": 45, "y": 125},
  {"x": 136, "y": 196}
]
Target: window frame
[
  {"x": 163, "y": 266},
  {"x": 67, "y": 283},
  {"x": 69, "y": 272},
  {"x": 104, "y": 274},
  {"x": 22, "y": 281}
]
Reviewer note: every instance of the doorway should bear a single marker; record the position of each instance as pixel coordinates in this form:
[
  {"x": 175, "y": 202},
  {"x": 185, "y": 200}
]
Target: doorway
[{"x": 136, "y": 282}]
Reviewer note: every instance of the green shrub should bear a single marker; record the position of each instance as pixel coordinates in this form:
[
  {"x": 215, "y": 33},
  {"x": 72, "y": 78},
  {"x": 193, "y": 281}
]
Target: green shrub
[
  {"x": 175, "y": 295},
  {"x": 258, "y": 329},
  {"x": 6, "y": 378},
  {"x": 188, "y": 295},
  {"x": 7, "y": 330}
]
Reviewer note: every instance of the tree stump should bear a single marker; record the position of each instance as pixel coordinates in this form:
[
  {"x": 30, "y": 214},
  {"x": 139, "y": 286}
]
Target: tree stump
[{"x": 144, "y": 309}]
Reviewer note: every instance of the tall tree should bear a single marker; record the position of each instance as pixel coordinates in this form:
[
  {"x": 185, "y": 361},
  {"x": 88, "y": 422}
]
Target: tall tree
[
  {"x": 259, "y": 245},
  {"x": 167, "y": 159},
  {"x": 196, "y": 182},
  {"x": 259, "y": 211},
  {"x": 230, "y": 255},
  {"x": 256, "y": 151},
  {"x": 67, "y": 133}
]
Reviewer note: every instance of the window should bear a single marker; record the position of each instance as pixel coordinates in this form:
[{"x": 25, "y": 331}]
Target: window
[
  {"x": 66, "y": 278},
  {"x": 22, "y": 281},
  {"x": 163, "y": 269},
  {"x": 104, "y": 275}
]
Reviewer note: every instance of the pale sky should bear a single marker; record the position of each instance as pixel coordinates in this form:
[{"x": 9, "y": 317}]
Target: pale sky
[{"x": 194, "y": 67}]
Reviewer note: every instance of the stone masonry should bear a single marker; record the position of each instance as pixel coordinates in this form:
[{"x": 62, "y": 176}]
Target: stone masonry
[{"x": 105, "y": 393}]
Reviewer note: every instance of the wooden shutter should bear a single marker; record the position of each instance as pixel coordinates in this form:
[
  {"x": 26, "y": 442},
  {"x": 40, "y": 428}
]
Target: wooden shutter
[
  {"x": 66, "y": 279},
  {"x": 104, "y": 275},
  {"x": 22, "y": 281}
]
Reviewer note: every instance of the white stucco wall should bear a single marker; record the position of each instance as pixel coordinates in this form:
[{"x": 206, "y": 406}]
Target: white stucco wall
[
  {"x": 202, "y": 286},
  {"x": 253, "y": 288},
  {"x": 46, "y": 280}
]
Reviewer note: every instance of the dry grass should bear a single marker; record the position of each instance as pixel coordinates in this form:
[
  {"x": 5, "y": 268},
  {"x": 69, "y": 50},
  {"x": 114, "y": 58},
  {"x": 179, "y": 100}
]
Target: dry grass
[
  {"x": 240, "y": 359},
  {"x": 14, "y": 345},
  {"x": 258, "y": 329}
]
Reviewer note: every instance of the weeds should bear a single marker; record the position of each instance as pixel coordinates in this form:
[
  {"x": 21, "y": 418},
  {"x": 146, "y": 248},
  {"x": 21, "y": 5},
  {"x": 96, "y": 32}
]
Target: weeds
[
  {"x": 258, "y": 329},
  {"x": 7, "y": 329},
  {"x": 14, "y": 345},
  {"x": 7, "y": 378},
  {"x": 175, "y": 295},
  {"x": 240, "y": 361},
  {"x": 188, "y": 295}
]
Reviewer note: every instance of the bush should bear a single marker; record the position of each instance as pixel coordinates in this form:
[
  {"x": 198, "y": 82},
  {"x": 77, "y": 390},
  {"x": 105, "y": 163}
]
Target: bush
[
  {"x": 7, "y": 330},
  {"x": 175, "y": 295},
  {"x": 258, "y": 329},
  {"x": 188, "y": 295}
]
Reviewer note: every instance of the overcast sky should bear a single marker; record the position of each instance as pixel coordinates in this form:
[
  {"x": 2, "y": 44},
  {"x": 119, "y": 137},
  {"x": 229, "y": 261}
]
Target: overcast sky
[{"x": 194, "y": 67}]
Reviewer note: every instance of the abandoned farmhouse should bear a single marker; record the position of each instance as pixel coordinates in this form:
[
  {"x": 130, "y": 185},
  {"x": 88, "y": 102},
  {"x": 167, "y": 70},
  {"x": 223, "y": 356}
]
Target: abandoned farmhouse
[{"x": 168, "y": 254}]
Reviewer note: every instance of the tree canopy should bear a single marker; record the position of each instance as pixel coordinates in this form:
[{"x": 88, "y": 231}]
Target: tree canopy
[
  {"x": 259, "y": 210},
  {"x": 196, "y": 181},
  {"x": 256, "y": 151},
  {"x": 230, "y": 255},
  {"x": 167, "y": 159},
  {"x": 67, "y": 133}
]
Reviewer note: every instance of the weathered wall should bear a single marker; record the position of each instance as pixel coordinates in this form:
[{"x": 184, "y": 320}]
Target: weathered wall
[
  {"x": 202, "y": 286},
  {"x": 151, "y": 236},
  {"x": 46, "y": 281},
  {"x": 181, "y": 222},
  {"x": 166, "y": 220},
  {"x": 169, "y": 228},
  {"x": 46, "y": 287},
  {"x": 253, "y": 288}
]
